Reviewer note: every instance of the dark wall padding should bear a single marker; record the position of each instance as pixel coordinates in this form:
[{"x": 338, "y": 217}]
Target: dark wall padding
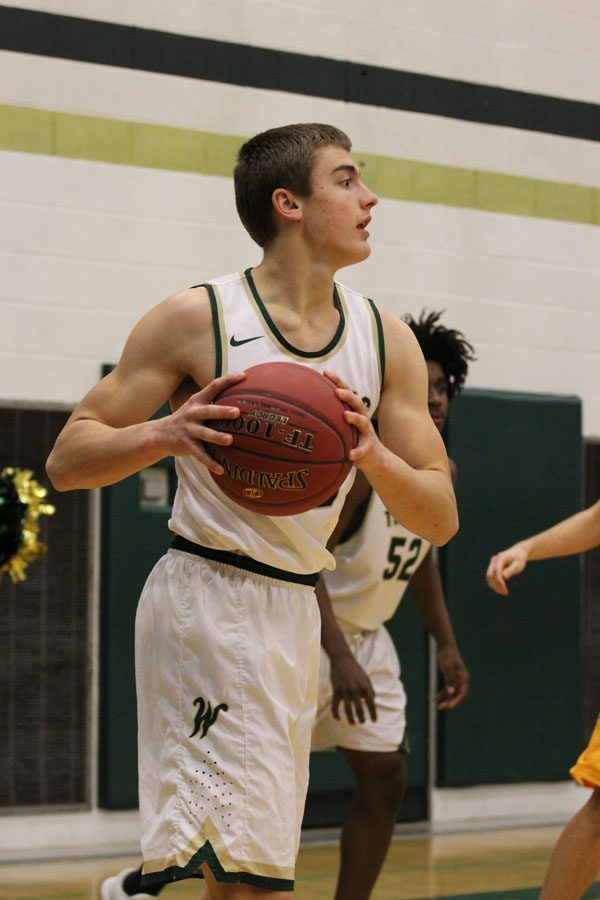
[{"x": 519, "y": 463}]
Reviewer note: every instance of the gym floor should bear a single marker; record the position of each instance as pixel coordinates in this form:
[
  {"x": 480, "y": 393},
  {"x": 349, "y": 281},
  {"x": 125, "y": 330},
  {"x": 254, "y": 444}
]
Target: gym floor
[{"x": 495, "y": 865}]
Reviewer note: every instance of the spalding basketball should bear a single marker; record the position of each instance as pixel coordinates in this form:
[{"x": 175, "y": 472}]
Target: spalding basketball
[{"x": 290, "y": 442}]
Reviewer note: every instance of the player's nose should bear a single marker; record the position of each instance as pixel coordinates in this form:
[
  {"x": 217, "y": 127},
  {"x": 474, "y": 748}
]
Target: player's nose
[
  {"x": 373, "y": 199},
  {"x": 369, "y": 199}
]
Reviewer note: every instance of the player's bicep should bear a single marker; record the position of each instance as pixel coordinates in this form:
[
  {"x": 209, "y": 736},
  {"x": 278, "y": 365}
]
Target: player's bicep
[
  {"x": 122, "y": 399},
  {"x": 405, "y": 426},
  {"x": 414, "y": 438},
  {"x": 147, "y": 374}
]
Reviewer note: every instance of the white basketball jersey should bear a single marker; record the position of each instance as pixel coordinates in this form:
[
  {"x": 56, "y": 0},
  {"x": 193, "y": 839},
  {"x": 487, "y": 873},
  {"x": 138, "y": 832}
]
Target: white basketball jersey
[
  {"x": 245, "y": 335},
  {"x": 373, "y": 568}
]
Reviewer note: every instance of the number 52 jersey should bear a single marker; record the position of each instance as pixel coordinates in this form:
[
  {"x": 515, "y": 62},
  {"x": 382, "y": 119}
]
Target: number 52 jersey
[{"x": 373, "y": 569}]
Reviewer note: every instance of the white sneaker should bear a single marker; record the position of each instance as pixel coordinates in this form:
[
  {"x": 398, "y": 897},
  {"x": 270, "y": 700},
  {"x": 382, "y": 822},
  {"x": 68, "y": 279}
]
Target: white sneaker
[{"x": 112, "y": 888}]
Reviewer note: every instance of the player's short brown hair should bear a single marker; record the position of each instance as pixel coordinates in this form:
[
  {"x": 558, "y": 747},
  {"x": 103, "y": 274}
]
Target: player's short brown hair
[{"x": 278, "y": 158}]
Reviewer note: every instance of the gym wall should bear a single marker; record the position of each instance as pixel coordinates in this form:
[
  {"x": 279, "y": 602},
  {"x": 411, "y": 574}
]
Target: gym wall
[{"x": 477, "y": 123}]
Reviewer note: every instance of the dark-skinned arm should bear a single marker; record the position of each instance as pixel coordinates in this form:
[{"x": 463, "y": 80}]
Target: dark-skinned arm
[
  {"x": 351, "y": 685},
  {"x": 427, "y": 594}
]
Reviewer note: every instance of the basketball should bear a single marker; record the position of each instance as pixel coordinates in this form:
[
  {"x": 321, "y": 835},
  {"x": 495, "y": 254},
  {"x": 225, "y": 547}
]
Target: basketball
[{"x": 290, "y": 442}]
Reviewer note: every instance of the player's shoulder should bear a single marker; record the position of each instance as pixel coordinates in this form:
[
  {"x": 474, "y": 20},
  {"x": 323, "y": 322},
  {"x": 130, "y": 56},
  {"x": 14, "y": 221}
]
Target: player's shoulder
[
  {"x": 200, "y": 294},
  {"x": 186, "y": 307},
  {"x": 204, "y": 297},
  {"x": 174, "y": 323},
  {"x": 399, "y": 338},
  {"x": 396, "y": 327}
]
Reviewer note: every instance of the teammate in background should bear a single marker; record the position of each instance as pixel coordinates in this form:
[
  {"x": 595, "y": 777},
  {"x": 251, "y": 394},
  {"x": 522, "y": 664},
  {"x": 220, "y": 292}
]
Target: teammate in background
[
  {"x": 575, "y": 860},
  {"x": 376, "y": 560},
  {"x": 227, "y": 628}
]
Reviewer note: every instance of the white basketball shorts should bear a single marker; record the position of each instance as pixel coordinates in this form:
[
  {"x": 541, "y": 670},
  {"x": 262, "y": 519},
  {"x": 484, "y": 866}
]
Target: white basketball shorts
[{"x": 226, "y": 668}]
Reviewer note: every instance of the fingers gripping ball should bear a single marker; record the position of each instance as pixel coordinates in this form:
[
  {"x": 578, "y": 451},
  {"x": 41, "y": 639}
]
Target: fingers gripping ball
[{"x": 290, "y": 442}]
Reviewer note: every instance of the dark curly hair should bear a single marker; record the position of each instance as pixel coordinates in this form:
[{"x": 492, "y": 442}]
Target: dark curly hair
[{"x": 445, "y": 346}]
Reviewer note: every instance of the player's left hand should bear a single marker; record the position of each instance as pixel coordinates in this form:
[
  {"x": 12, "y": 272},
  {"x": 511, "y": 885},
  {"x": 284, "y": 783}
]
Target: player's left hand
[
  {"x": 504, "y": 565},
  {"x": 456, "y": 679},
  {"x": 357, "y": 415}
]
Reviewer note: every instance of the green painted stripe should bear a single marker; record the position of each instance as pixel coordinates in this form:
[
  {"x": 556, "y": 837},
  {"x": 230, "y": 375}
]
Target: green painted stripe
[
  {"x": 421, "y": 182},
  {"x": 28, "y": 130},
  {"x": 52, "y": 133}
]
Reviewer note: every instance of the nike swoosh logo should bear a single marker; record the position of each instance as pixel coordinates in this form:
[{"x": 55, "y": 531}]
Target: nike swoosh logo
[{"x": 235, "y": 343}]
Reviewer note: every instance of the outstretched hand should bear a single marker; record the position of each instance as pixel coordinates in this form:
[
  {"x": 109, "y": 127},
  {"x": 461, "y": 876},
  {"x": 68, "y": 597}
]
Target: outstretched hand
[
  {"x": 456, "y": 679},
  {"x": 186, "y": 430},
  {"x": 503, "y": 566}
]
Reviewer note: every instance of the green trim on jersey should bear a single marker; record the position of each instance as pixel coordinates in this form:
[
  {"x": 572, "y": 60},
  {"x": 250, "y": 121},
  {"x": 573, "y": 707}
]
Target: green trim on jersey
[
  {"x": 283, "y": 344},
  {"x": 378, "y": 338},
  {"x": 217, "y": 318}
]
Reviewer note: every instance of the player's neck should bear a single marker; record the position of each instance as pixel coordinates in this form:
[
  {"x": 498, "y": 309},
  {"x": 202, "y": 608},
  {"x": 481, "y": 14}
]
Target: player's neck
[{"x": 300, "y": 283}]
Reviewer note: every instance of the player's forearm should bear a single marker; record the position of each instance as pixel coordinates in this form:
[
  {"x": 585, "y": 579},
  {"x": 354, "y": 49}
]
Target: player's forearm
[
  {"x": 332, "y": 637},
  {"x": 420, "y": 499},
  {"x": 437, "y": 622},
  {"x": 89, "y": 454},
  {"x": 426, "y": 592},
  {"x": 576, "y": 534}
]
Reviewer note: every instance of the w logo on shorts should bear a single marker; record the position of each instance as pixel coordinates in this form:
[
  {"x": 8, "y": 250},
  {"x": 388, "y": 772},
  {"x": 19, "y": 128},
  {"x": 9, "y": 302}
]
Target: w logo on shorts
[{"x": 206, "y": 716}]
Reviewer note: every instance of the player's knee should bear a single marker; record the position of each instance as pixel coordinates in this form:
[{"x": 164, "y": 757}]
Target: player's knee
[
  {"x": 396, "y": 781},
  {"x": 385, "y": 780}
]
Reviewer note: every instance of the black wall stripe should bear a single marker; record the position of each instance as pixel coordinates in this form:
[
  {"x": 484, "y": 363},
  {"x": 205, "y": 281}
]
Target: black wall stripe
[{"x": 66, "y": 37}]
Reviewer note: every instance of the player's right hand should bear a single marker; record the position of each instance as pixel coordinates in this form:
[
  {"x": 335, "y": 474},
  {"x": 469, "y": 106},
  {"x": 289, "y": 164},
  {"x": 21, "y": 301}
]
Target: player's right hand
[
  {"x": 352, "y": 688},
  {"x": 186, "y": 430},
  {"x": 503, "y": 566}
]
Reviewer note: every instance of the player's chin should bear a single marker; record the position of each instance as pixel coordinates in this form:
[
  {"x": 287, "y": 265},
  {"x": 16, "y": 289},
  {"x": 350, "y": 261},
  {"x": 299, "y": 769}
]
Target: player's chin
[{"x": 361, "y": 250}]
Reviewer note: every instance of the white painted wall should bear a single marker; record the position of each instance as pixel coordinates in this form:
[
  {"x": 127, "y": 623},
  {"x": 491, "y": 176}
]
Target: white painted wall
[
  {"x": 88, "y": 247},
  {"x": 544, "y": 46}
]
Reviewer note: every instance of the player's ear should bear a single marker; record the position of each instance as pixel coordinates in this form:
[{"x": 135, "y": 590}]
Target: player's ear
[{"x": 285, "y": 205}]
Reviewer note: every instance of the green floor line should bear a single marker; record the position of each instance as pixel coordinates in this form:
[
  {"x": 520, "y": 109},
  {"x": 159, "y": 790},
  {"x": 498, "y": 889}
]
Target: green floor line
[{"x": 513, "y": 894}]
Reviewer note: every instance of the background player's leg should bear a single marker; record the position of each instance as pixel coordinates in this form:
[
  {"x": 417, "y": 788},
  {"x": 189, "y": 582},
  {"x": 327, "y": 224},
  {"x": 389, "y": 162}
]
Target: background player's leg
[
  {"x": 575, "y": 860},
  {"x": 380, "y": 784}
]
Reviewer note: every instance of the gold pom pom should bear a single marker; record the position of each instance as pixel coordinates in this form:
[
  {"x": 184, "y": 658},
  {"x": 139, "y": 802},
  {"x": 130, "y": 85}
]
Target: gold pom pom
[{"x": 31, "y": 506}]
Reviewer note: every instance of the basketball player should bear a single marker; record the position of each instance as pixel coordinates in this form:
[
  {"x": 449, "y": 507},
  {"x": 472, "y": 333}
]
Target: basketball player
[
  {"x": 361, "y": 705},
  {"x": 227, "y": 629},
  {"x": 575, "y": 860}
]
